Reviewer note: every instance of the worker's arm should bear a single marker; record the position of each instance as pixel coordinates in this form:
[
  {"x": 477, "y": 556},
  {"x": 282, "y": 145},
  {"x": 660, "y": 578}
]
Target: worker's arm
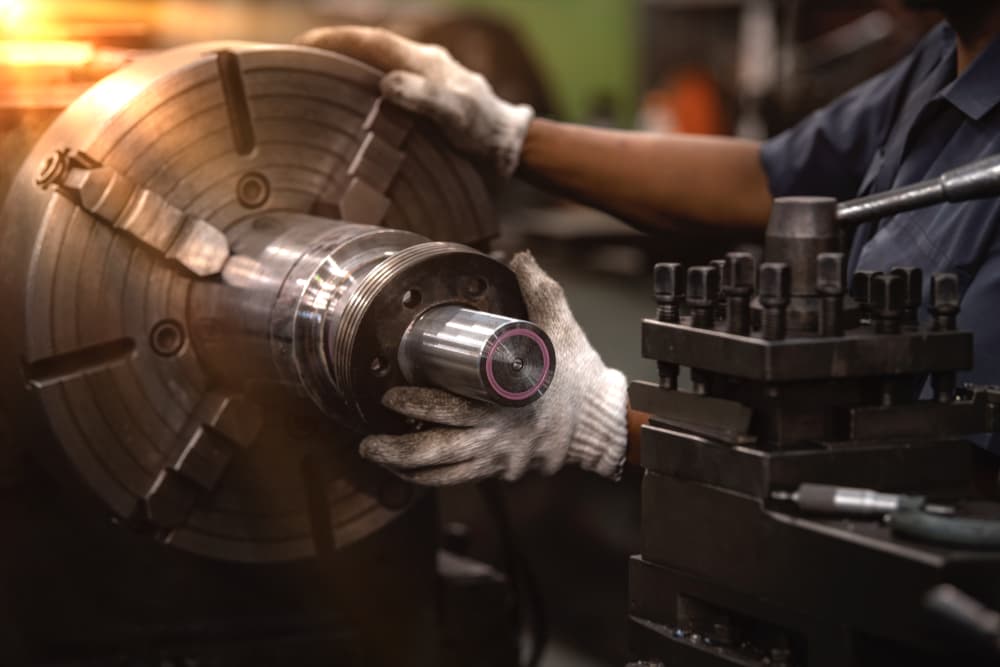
[
  {"x": 650, "y": 179},
  {"x": 647, "y": 179}
]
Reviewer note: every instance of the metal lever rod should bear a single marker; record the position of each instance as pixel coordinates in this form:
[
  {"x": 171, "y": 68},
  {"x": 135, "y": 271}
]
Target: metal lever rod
[{"x": 978, "y": 180}]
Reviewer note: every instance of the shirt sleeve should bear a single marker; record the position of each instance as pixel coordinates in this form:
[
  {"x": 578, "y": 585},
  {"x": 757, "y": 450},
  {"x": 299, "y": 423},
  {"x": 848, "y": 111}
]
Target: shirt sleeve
[{"x": 830, "y": 151}]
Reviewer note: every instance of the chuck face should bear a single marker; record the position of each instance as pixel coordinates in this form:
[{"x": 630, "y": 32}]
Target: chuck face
[{"x": 209, "y": 262}]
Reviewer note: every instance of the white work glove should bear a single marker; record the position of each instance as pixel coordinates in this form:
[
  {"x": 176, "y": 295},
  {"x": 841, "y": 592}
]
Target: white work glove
[
  {"x": 581, "y": 419},
  {"x": 427, "y": 80}
]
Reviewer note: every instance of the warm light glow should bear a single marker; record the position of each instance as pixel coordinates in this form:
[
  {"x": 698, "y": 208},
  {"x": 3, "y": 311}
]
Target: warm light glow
[
  {"x": 45, "y": 53},
  {"x": 12, "y": 12},
  {"x": 117, "y": 90}
]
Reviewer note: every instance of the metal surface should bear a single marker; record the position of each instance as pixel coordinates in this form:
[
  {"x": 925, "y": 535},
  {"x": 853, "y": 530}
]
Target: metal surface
[
  {"x": 478, "y": 355},
  {"x": 107, "y": 356},
  {"x": 857, "y": 353},
  {"x": 979, "y": 180},
  {"x": 800, "y": 229}
]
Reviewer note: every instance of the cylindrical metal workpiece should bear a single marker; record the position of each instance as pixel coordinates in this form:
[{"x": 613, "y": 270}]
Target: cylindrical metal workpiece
[
  {"x": 800, "y": 228},
  {"x": 478, "y": 355}
]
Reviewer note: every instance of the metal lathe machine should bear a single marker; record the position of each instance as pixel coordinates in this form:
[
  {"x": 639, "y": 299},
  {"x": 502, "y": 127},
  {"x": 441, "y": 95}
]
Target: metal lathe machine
[{"x": 215, "y": 262}]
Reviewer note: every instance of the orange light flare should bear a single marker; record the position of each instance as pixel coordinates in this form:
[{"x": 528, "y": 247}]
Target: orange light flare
[
  {"x": 29, "y": 40},
  {"x": 73, "y": 19},
  {"x": 46, "y": 53},
  {"x": 12, "y": 14},
  {"x": 65, "y": 34}
]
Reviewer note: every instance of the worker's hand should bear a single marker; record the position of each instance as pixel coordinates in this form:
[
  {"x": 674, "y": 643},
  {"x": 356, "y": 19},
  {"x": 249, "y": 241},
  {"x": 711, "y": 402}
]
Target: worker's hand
[
  {"x": 427, "y": 80},
  {"x": 581, "y": 419}
]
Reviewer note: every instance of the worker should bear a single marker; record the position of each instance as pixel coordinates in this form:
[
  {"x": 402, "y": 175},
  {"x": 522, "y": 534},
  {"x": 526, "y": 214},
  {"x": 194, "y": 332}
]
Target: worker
[{"x": 937, "y": 109}]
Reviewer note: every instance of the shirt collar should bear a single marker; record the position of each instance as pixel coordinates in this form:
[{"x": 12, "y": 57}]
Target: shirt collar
[{"x": 977, "y": 91}]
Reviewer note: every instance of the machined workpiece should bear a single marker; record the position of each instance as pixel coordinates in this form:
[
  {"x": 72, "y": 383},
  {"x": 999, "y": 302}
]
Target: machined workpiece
[{"x": 478, "y": 354}]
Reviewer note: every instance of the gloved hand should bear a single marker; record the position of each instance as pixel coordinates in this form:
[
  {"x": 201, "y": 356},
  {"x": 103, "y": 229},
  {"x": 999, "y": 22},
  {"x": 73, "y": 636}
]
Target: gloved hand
[
  {"x": 581, "y": 419},
  {"x": 427, "y": 80}
]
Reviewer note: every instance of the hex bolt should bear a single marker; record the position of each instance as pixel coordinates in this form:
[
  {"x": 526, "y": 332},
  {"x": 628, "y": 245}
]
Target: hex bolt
[
  {"x": 830, "y": 283},
  {"x": 913, "y": 292},
  {"x": 945, "y": 300},
  {"x": 53, "y": 169},
  {"x": 775, "y": 282},
  {"x": 668, "y": 288},
  {"x": 886, "y": 303},
  {"x": 702, "y": 293},
  {"x": 741, "y": 277},
  {"x": 702, "y": 296},
  {"x": 721, "y": 266},
  {"x": 861, "y": 287}
]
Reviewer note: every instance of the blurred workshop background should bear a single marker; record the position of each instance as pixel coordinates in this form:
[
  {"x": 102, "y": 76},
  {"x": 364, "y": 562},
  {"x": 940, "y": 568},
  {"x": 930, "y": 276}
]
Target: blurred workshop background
[{"x": 749, "y": 67}]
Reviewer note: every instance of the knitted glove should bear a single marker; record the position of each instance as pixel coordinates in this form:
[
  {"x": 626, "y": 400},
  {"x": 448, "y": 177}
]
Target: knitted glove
[
  {"x": 427, "y": 80},
  {"x": 581, "y": 419}
]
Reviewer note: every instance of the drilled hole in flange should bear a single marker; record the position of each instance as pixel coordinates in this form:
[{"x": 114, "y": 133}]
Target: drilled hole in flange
[
  {"x": 412, "y": 298},
  {"x": 380, "y": 367},
  {"x": 167, "y": 338},
  {"x": 475, "y": 286},
  {"x": 253, "y": 190}
]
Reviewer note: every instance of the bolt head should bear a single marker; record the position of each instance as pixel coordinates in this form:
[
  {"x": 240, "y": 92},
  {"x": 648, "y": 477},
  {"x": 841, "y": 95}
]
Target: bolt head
[
  {"x": 702, "y": 285},
  {"x": 887, "y": 296},
  {"x": 775, "y": 282},
  {"x": 913, "y": 285},
  {"x": 668, "y": 279},
  {"x": 830, "y": 273},
  {"x": 861, "y": 285},
  {"x": 721, "y": 266},
  {"x": 742, "y": 271},
  {"x": 52, "y": 169},
  {"x": 945, "y": 296}
]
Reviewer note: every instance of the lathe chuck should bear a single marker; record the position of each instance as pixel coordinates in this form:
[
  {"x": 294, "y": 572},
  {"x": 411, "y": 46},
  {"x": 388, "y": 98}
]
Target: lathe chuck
[{"x": 122, "y": 215}]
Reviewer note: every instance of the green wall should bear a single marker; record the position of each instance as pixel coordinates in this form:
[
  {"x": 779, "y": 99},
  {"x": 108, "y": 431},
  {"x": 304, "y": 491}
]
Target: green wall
[{"x": 586, "y": 48}]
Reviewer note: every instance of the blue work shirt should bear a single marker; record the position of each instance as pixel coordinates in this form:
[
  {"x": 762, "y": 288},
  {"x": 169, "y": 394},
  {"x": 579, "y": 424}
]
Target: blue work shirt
[{"x": 910, "y": 123}]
